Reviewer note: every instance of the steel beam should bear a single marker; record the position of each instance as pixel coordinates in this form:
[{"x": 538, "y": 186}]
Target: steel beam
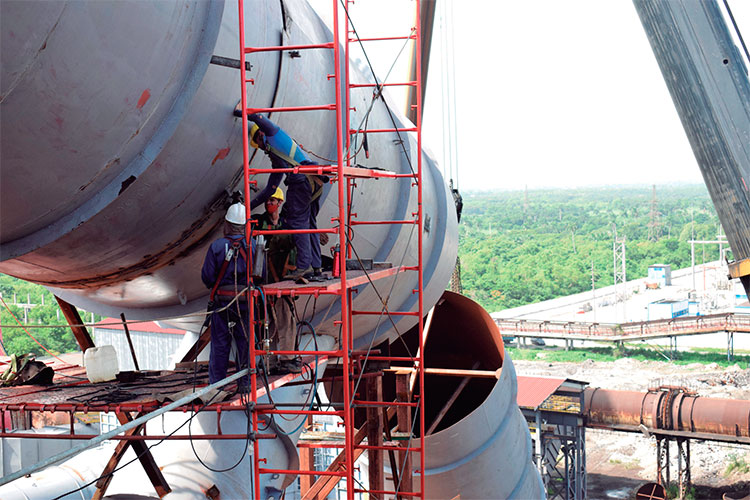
[{"x": 80, "y": 332}]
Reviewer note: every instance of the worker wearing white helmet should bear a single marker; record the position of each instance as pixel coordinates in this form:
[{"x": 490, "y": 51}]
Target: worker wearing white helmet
[{"x": 225, "y": 274}]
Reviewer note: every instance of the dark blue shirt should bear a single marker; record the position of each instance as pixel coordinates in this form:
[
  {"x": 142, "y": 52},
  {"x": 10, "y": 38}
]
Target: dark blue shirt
[{"x": 236, "y": 270}]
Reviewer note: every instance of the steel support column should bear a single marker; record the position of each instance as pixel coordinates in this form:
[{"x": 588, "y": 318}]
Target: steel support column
[{"x": 683, "y": 466}]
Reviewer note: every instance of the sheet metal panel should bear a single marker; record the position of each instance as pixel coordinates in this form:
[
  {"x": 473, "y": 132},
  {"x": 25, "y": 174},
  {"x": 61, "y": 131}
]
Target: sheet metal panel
[
  {"x": 707, "y": 78},
  {"x": 533, "y": 391}
]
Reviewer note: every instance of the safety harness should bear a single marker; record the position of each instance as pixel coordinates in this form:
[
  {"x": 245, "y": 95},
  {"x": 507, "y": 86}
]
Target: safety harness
[{"x": 232, "y": 252}]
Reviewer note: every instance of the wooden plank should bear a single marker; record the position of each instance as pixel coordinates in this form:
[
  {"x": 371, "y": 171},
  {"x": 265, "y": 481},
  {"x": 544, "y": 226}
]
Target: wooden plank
[
  {"x": 306, "y": 462},
  {"x": 147, "y": 461},
  {"x": 76, "y": 324},
  {"x": 199, "y": 345},
  {"x": 107, "y": 474},
  {"x": 387, "y": 431},
  {"x": 325, "y": 484},
  {"x": 403, "y": 417},
  {"x": 374, "y": 424}
]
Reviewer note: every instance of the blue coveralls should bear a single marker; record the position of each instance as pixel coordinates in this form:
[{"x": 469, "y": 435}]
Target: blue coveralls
[
  {"x": 234, "y": 279},
  {"x": 299, "y": 210}
]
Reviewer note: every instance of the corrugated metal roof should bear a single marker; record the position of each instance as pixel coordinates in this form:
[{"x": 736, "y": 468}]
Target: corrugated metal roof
[
  {"x": 533, "y": 391},
  {"x": 150, "y": 327}
]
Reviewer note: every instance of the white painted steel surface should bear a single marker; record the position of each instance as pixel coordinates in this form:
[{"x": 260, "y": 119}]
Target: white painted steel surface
[{"x": 119, "y": 147}]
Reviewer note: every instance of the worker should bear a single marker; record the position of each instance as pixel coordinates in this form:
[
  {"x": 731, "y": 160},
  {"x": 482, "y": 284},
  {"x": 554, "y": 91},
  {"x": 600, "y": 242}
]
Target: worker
[
  {"x": 280, "y": 251},
  {"x": 225, "y": 274},
  {"x": 303, "y": 191}
]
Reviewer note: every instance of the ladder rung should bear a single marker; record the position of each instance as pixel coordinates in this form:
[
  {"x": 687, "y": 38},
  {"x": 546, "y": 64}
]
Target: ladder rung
[
  {"x": 303, "y": 444},
  {"x": 332, "y": 170},
  {"x": 303, "y": 472},
  {"x": 303, "y": 412},
  {"x": 394, "y": 358},
  {"x": 308, "y": 169},
  {"x": 386, "y": 492},
  {"x": 369, "y": 173},
  {"x": 302, "y": 290},
  {"x": 378, "y": 39},
  {"x": 276, "y": 232},
  {"x": 285, "y": 109},
  {"x": 372, "y": 222},
  {"x": 276, "y": 48},
  {"x": 386, "y": 313},
  {"x": 382, "y": 130},
  {"x": 308, "y": 353},
  {"x": 395, "y": 84},
  {"x": 384, "y": 403},
  {"x": 386, "y": 447}
]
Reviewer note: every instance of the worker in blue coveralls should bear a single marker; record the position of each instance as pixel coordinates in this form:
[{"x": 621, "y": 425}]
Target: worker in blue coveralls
[
  {"x": 225, "y": 274},
  {"x": 302, "y": 195}
]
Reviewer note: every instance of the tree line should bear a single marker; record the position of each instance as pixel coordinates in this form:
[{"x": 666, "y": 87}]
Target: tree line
[
  {"x": 521, "y": 247},
  {"x": 516, "y": 248}
]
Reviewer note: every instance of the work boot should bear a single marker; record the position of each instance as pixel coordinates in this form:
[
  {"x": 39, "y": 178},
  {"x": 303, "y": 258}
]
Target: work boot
[
  {"x": 288, "y": 366},
  {"x": 317, "y": 271},
  {"x": 299, "y": 273}
]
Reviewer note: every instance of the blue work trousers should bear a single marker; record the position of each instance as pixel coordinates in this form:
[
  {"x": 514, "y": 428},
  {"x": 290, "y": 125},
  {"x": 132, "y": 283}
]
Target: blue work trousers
[
  {"x": 315, "y": 238},
  {"x": 226, "y": 325},
  {"x": 296, "y": 215}
]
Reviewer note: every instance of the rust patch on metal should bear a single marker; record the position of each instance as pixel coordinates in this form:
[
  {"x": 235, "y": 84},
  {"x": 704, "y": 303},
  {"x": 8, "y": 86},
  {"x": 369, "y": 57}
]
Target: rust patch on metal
[
  {"x": 220, "y": 155},
  {"x": 145, "y": 96},
  {"x": 153, "y": 262}
]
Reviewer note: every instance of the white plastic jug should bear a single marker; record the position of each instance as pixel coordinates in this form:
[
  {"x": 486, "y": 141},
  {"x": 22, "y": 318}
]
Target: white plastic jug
[{"x": 101, "y": 363}]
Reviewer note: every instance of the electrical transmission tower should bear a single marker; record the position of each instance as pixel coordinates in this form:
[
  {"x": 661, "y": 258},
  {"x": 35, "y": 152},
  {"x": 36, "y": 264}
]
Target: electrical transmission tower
[
  {"x": 618, "y": 253},
  {"x": 653, "y": 226}
]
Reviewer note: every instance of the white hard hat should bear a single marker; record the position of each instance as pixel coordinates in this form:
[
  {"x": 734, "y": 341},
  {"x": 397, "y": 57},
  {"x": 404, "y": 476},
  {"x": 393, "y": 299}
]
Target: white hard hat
[{"x": 236, "y": 214}]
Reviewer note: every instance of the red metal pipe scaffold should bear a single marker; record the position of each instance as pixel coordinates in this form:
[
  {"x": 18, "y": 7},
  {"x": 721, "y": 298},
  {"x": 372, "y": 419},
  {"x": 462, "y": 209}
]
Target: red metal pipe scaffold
[{"x": 343, "y": 172}]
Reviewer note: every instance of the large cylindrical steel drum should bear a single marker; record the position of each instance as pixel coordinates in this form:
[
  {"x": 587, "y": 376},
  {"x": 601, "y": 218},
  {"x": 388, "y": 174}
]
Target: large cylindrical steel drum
[
  {"x": 482, "y": 446},
  {"x": 119, "y": 149}
]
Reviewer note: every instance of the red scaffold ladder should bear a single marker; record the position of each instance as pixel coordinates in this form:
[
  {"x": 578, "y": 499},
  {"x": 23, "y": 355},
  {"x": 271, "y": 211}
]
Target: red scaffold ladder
[{"x": 408, "y": 406}]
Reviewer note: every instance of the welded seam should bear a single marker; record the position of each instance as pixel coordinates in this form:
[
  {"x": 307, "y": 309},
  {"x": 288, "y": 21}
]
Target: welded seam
[{"x": 31, "y": 63}]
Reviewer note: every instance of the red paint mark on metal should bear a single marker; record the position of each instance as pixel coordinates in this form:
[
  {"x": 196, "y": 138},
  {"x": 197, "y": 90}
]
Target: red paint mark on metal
[
  {"x": 743, "y": 183},
  {"x": 220, "y": 155},
  {"x": 144, "y": 97}
]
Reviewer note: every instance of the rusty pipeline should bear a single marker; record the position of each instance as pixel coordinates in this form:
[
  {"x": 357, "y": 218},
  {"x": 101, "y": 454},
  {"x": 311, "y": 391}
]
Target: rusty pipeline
[{"x": 667, "y": 408}]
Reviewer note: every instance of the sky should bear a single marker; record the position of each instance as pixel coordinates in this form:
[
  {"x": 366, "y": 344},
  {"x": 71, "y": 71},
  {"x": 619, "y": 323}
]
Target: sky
[{"x": 547, "y": 93}]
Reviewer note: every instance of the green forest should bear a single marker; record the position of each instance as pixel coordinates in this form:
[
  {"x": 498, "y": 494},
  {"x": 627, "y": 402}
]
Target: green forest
[
  {"x": 516, "y": 247},
  {"x": 33, "y": 306},
  {"x": 520, "y": 247}
]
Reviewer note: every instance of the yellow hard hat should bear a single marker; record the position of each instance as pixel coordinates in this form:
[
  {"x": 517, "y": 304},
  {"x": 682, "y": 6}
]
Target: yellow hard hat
[
  {"x": 253, "y": 129},
  {"x": 279, "y": 194}
]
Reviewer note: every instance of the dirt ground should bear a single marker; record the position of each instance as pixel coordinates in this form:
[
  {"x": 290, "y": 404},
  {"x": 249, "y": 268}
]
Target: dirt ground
[{"x": 619, "y": 463}]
